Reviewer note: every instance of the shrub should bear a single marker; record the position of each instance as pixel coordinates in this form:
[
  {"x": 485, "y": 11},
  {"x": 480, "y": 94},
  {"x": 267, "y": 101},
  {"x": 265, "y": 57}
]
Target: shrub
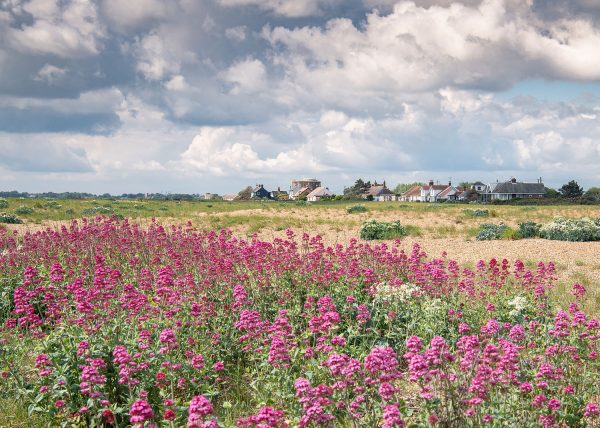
[
  {"x": 70, "y": 211},
  {"x": 98, "y": 211},
  {"x": 529, "y": 229},
  {"x": 10, "y": 218},
  {"x": 3, "y": 203},
  {"x": 373, "y": 229},
  {"x": 53, "y": 204},
  {"x": 563, "y": 229},
  {"x": 23, "y": 210},
  {"x": 356, "y": 209},
  {"x": 490, "y": 232},
  {"x": 477, "y": 213}
]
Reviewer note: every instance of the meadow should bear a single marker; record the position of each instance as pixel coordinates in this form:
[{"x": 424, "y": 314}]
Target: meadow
[{"x": 272, "y": 314}]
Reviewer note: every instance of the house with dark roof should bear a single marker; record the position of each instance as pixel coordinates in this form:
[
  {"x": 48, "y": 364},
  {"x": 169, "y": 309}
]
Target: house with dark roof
[
  {"x": 479, "y": 187},
  {"x": 450, "y": 193},
  {"x": 280, "y": 195},
  {"x": 259, "y": 192},
  {"x": 512, "y": 189},
  {"x": 430, "y": 191},
  {"x": 379, "y": 192}
]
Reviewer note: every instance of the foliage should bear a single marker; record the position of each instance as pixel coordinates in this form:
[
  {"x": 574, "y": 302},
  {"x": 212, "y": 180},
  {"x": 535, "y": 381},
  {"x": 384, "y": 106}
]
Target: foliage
[
  {"x": 476, "y": 213},
  {"x": 358, "y": 188},
  {"x": 571, "y": 190},
  {"x": 563, "y": 229},
  {"x": 373, "y": 229},
  {"x": 529, "y": 229},
  {"x": 245, "y": 194},
  {"x": 592, "y": 193},
  {"x": 23, "y": 210},
  {"x": 174, "y": 327},
  {"x": 489, "y": 231},
  {"x": 404, "y": 187},
  {"x": 356, "y": 209},
  {"x": 551, "y": 193},
  {"x": 10, "y": 219},
  {"x": 98, "y": 210},
  {"x": 4, "y": 203}
]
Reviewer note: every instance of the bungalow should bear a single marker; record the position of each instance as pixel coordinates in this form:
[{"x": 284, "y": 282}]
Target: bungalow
[
  {"x": 412, "y": 195},
  {"x": 280, "y": 195},
  {"x": 319, "y": 193},
  {"x": 512, "y": 189},
  {"x": 229, "y": 197},
  {"x": 379, "y": 192},
  {"x": 259, "y": 192},
  {"x": 479, "y": 187}
]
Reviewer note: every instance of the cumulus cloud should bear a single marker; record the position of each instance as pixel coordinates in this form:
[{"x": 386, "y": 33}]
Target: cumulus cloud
[
  {"x": 68, "y": 29},
  {"x": 289, "y": 8},
  {"x": 125, "y": 15},
  {"x": 50, "y": 74},
  {"x": 50, "y": 157}
]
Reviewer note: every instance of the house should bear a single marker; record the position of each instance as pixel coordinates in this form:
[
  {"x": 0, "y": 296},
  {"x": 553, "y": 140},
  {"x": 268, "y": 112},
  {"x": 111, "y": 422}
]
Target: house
[
  {"x": 259, "y": 192},
  {"x": 319, "y": 193},
  {"x": 412, "y": 195},
  {"x": 450, "y": 193},
  {"x": 229, "y": 197},
  {"x": 210, "y": 196},
  {"x": 430, "y": 191},
  {"x": 280, "y": 195},
  {"x": 299, "y": 187},
  {"x": 479, "y": 187},
  {"x": 379, "y": 192},
  {"x": 513, "y": 189},
  {"x": 468, "y": 195}
]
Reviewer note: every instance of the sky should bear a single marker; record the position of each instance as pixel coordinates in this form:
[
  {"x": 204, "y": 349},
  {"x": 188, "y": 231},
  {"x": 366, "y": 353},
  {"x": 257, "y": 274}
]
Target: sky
[{"x": 194, "y": 96}]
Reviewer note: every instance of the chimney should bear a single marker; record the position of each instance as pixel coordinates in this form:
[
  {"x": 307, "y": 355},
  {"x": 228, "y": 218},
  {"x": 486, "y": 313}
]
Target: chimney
[
  {"x": 431, "y": 182},
  {"x": 513, "y": 180},
  {"x": 278, "y": 189},
  {"x": 449, "y": 183}
]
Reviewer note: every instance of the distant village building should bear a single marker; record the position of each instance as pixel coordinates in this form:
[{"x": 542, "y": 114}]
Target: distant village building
[
  {"x": 479, "y": 187},
  {"x": 280, "y": 195},
  {"x": 210, "y": 196},
  {"x": 450, "y": 193},
  {"x": 513, "y": 189},
  {"x": 259, "y": 192},
  {"x": 229, "y": 197},
  {"x": 302, "y": 187},
  {"x": 412, "y": 195},
  {"x": 319, "y": 193},
  {"x": 430, "y": 191},
  {"x": 379, "y": 192}
]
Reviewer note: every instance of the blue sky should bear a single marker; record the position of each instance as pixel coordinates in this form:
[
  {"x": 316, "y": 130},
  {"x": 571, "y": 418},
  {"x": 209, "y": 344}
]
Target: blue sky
[{"x": 213, "y": 95}]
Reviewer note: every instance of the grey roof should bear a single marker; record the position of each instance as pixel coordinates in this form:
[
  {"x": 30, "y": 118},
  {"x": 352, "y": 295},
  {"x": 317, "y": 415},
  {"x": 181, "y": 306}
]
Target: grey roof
[
  {"x": 321, "y": 191},
  {"x": 478, "y": 183},
  {"x": 378, "y": 191},
  {"x": 518, "y": 188}
]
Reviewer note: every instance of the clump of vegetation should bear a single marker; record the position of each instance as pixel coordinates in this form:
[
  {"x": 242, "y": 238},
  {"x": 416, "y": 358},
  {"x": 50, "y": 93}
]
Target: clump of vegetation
[
  {"x": 23, "y": 210},
  {"x": 98, "y": 211},
  {"x": 529, "y": 229},
  {"x": 302, "y": 202},
  {"x": 3, "y": 203},
  {"x": 10, "y": 219},
  {"x": 563, "y": 229},
  {"x": 373, "y": 229},
  {"x": 356, "y": 209},
  {"x": 490, "y": 232},
  {"x": 70, "y": 211},
  {"x": 476, "y": 213},
  {"x": 53, "y": 204}
]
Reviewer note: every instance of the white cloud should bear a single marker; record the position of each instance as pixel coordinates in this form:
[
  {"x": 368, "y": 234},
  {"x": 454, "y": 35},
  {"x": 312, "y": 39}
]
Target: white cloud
[
  {"x": 130, "y": 14},
  {"x": 247, "y": 76},
  {"x": 155, "y": 60},
  {"x": 237, "y": 34},
  {"x": 289, "y": 8},
  {"x": 66, "y": 29}
]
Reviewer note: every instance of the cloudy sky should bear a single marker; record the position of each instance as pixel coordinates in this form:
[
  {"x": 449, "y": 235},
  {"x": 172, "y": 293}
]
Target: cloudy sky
[{"x": 212, "y": 95}]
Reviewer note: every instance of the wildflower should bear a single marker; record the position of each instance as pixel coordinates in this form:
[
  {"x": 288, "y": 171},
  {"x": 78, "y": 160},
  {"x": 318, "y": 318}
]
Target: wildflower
[
  {"x": 140, "y": 412},
  {"x": 392, "y": 417},
  {"x": 591, "y": 410},
  {"x": 59, "y": 404}
]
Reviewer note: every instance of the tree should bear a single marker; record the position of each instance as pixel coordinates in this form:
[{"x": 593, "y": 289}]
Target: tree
[
  {"x": 244, "y": 194},
  {"x": 551, "y": 193},
  {"x": 593, "y": 193},
  {"x": 403, "y": 187},
  {"x": 571, "y": 190},
  {"x": 358, "y": 188}
]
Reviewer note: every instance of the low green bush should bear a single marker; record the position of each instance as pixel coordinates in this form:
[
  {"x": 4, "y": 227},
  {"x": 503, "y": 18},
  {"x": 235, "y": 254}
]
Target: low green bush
[
  {"x": 10, "y": 219},
  {"x": 98, "y": 211},
  {"x": 490, "y": 232},
  {"x": 53, "y": 205},
  {"x": 563, "y": 229},
  {"x": 373, "y": 229},
  {"x": 356, "y": 209},
  {"x": 476, "y": 213},
  {"x": 23, "y": 210},
  {"x": 529, "y": 229},
  {"x": 3, "y": 203}
]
